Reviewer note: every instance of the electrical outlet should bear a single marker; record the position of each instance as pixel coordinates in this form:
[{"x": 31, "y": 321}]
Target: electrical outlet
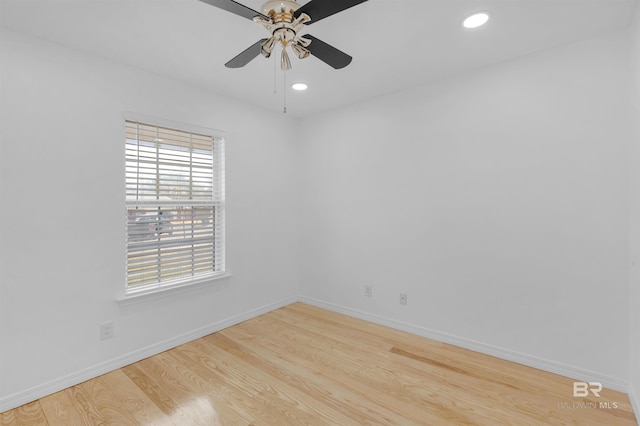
[
  {"x": 368, "y": 290},
  {"x": 106, "y": 330},
  {"x": 403, "y": 298}
]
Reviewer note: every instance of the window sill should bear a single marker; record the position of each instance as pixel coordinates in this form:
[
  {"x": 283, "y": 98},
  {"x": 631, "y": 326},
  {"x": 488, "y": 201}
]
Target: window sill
[{"x": 144, "y": 295}]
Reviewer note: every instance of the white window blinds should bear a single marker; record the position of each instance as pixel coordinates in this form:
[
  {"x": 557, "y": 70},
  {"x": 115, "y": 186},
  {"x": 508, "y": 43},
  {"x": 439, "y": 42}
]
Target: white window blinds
[{"x": 175, "y": 206}]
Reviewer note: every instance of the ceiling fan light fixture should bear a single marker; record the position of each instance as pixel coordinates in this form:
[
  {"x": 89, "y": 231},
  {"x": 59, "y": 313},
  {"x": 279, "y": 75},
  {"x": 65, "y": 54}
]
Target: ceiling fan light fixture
[
  {"x": 299, "y": 87},
  {"x": 299, "y": 21},
  {"x": 267, "y": 46},
  {"x": 476, "y": 20},
  {"x": 300, "y": 51},
  {"x": 303, "y": 41},
  {"x": 264, "y": 22}
]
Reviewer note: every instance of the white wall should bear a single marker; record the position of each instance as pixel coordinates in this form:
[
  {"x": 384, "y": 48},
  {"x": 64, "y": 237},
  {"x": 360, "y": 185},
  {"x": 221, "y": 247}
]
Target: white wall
[
  {"x": 497, "y": 200},
  {"x": 63, "y": 217},
  {"x": 635, "y": 217}
]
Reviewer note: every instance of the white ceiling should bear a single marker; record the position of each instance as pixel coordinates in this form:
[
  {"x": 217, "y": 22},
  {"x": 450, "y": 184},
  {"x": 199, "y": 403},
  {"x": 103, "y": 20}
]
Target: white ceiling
[{"x": 396, "y": 44}]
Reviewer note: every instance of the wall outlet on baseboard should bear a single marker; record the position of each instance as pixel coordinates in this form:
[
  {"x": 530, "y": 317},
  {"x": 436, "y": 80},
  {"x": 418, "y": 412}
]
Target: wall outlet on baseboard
[
  {"x": 368, "y": 290},
  {"x": 403, "y": 298},
  {"x": 106, "y": 330}
]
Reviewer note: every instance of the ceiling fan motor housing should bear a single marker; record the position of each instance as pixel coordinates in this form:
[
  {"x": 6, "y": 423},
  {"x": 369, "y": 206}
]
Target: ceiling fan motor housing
[
  {"x": 284, "y": 28},
  {"x": 280, "y": 10}
]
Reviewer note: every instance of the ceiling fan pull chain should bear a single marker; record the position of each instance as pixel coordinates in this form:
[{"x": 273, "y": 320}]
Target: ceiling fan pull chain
[
  {"x": 275, "y": 88},
  {"x": 284, "y": 91}
]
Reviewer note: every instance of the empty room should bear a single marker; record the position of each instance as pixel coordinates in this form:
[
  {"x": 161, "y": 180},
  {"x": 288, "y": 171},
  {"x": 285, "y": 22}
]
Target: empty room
[{"x": 319, "y": 212}]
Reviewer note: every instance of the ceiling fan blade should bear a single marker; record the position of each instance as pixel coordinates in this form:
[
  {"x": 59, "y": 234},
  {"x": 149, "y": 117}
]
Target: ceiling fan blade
[
  {"x": 320, "y": 9},
  {"x": 246, "y": 56},
  {"x": 327, "y": 53},
  {"x": 235, "y": 7}
]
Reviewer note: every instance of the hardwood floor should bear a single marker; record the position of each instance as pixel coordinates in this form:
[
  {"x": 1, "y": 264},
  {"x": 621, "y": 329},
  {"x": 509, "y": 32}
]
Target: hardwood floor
[{"x": 303, "y": 365}]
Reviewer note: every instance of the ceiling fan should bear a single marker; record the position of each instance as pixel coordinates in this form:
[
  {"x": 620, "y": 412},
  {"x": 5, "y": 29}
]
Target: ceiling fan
[{"x": 284, "y": 19}]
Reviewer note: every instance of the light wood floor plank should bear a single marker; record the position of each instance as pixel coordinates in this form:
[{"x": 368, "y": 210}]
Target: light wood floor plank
[
  {"x": 219, "y": 408},
  {"x": 130, "y": 397},
  {"x": 60, "y": 409},
  {"x": 169, "y": 399},
  {"x": 239, "y": 384},
  {"x": 299, "y": 391},
  {"x": 8, "y": 418},
  {"x": 32, "y": 414},
  {"x": 273, "y": 398},
  {"x": 333, "y": 402},
  {"x": 107, "y": 402},
  {"x": 225, "y": 395},
  {"x": 84, "y": 406},
  {"x": 302, "y": 365}
]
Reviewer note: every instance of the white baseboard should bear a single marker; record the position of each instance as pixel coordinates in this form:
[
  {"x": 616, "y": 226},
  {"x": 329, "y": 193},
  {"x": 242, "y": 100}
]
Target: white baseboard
[
  {"x": 23, "y": 397},
  {"x": 509, "y": 355},
  {"x": 634, "y": 397}
]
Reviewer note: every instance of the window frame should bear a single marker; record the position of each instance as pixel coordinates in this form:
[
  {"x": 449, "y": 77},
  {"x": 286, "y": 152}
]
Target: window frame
[{"x": 156, "y": 289}]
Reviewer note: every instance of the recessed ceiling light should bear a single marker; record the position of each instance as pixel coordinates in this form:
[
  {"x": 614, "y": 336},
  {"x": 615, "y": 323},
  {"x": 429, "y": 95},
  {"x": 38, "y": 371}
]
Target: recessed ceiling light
[
  {"x": 476, "y": 20},
  {"x": 299, "y": 86}
]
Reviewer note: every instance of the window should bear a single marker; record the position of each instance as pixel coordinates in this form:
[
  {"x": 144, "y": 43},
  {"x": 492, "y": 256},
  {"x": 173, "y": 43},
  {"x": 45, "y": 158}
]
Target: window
[{"x": 175, "y": 206}]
